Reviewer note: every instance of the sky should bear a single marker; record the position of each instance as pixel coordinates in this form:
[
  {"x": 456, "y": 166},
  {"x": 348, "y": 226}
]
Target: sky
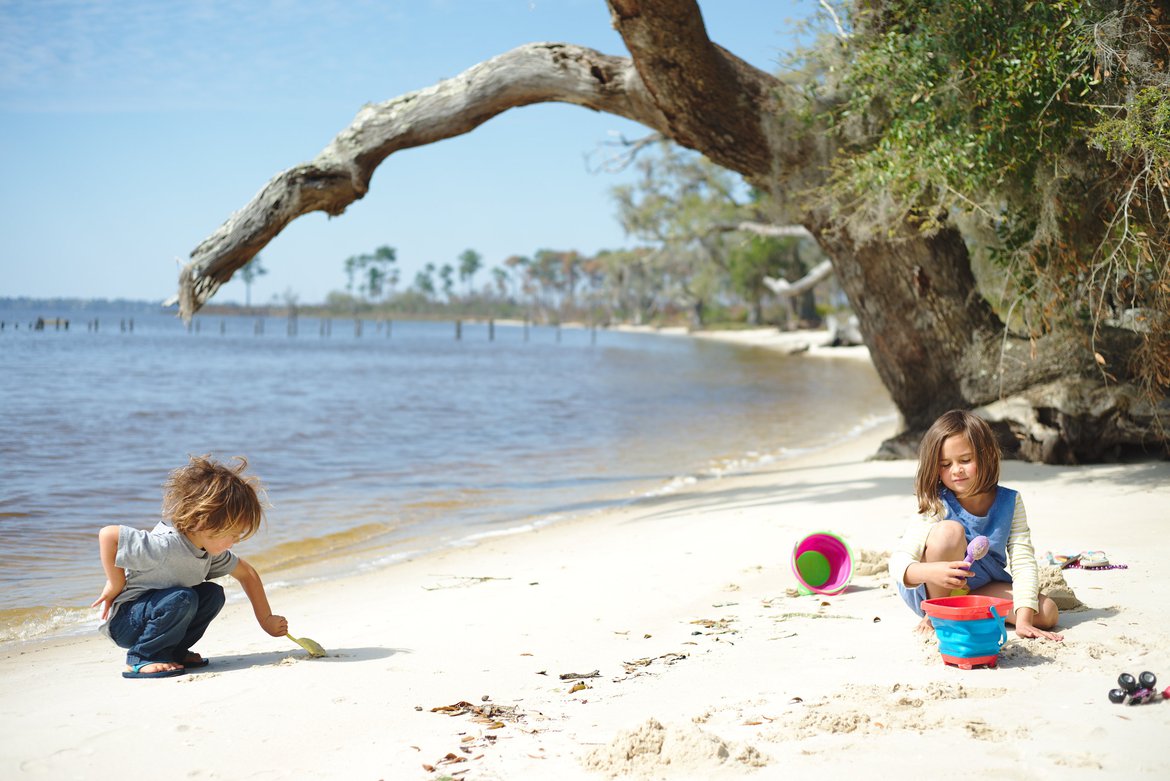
[{"x": 131, "y": 129}]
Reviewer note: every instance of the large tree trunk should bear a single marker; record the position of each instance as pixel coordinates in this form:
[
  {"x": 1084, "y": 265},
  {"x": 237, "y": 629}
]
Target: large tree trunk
[
  {"x": 920, "y": 314},
  {"x": 935, "y": 341},
  {"x": 937, "y": 345}
]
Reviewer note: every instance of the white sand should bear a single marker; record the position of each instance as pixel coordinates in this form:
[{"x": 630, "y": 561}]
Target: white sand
[{"x": 708, "y": 664}]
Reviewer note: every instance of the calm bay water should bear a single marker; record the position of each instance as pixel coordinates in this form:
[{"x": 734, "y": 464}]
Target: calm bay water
[{"x": 375, "y": 447}]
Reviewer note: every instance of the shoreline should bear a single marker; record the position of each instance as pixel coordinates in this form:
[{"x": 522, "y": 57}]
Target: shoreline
[
  {"x": 688, "y": 652},
  {"x": 77, "y": 621},
  {"x": 807, "y": 342},
  {"x": 43, "y": 621}
]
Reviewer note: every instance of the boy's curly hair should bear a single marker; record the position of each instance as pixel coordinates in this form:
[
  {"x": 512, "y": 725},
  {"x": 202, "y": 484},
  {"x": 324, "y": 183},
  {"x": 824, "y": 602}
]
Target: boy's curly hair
[{"x": 206, "y": 495}]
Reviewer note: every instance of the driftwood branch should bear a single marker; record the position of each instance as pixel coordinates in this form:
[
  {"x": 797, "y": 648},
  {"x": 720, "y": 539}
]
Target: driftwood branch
[
  {"x": 782, "y": 288},
  {"x": 766, "y": 229},
  {"x": 774, "y": 231},
  {"x": 341, "y": 173}
]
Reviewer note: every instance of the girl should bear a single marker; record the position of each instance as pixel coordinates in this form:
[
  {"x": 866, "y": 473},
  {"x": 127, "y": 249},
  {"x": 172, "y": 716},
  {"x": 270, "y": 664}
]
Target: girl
[{"x": 959, "y": 498}]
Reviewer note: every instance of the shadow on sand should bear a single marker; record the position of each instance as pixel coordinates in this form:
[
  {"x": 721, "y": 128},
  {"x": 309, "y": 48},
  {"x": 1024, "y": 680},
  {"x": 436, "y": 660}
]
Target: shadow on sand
[{"x": 223, "y": 664}]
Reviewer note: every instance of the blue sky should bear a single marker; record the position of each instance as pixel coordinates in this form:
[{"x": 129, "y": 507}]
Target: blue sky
[{"x": 131, "y": 129}]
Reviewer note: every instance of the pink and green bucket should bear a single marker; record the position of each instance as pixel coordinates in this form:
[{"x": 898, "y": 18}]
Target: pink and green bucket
[{"x": 822, "y": 563}]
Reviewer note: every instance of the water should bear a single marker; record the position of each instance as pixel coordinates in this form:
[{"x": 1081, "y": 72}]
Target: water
[{"x": 375, "y": 447}]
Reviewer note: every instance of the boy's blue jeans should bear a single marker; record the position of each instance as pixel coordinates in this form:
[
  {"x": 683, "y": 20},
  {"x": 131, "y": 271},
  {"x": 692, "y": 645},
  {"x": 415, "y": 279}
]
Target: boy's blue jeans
[{"x": 162, "y": 625}]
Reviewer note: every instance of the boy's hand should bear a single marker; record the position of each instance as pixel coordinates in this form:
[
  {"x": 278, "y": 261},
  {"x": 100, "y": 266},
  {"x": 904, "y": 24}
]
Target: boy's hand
[
  {"x": 277, "y": 626},
  {"x": 115, "y": 575},
  {"x": 106, "y": 600}
]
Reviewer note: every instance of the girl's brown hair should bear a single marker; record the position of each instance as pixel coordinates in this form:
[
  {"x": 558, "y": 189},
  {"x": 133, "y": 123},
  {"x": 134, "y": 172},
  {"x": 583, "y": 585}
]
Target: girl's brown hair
[
  {"x": 207, "y": 496},
  {"x": 982, "y": 440}
]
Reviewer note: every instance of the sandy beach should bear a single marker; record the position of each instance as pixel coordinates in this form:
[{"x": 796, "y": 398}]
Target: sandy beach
[{"x": 665, "y": 639}]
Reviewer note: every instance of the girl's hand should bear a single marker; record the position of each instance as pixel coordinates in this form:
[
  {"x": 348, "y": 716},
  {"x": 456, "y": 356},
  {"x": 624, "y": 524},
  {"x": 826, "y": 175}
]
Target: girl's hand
[
  {"x": 1024, "y": 628},
  {"x": 277, "y": 626},
  {"x": 948, "y": 575},
  {"x": 106, "y": 600}
]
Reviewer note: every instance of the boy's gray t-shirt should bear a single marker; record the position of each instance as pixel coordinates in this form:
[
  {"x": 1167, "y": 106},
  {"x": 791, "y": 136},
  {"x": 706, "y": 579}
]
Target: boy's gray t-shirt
[{"x": 163, "y": 558}]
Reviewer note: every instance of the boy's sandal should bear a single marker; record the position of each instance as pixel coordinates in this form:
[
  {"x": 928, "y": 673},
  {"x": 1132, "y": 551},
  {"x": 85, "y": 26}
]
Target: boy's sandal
[
  {"x": 194, "y": 661},
  {"x": 136, "y": 671}
]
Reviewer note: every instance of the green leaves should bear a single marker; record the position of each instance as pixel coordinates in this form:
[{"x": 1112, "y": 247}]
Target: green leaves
[
  {"x": 963, "y": 98},
  {"x": 1142, "y": 130},
  {"x": 1049, "y": 123}
]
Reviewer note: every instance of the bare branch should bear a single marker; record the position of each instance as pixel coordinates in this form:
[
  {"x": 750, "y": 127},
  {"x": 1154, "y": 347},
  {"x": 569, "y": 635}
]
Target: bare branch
[
  {"x": 782, "y": 288},
  {"x": 769, "y": 230},
  {"x": 627, "y": 151},
  {"x": 341, "y": 173},
  {"x": 828, "y": 8}
]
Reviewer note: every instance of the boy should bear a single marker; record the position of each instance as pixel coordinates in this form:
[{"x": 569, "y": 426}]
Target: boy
[{"x": 159, "y": 599}]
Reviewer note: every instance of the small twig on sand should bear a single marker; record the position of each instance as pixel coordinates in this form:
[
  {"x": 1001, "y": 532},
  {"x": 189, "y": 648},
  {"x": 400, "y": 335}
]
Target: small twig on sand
[{"x": 466, "y": 580}]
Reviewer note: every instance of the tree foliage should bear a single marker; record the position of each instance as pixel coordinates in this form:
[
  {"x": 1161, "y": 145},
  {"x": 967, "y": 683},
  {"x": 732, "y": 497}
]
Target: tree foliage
[
  {"x": 1045, "y": 122},
  {"x": 373, "y": 273},
  {"x": 754, "y": 259},
  {"x": 960, "y": 103},
  {"x": 678, "y": 204}
]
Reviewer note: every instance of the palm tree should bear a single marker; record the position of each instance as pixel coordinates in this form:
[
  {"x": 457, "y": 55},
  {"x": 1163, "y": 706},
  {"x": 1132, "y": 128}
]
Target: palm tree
[
  {"x": 252, "y": 269},
  {"x": 469, "y": 263},
  {"x": 447, "y": 274}
]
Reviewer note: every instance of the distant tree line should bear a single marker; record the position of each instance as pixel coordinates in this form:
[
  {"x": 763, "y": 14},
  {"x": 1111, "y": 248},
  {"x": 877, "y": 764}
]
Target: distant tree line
[{"x": 691, "y": 265}]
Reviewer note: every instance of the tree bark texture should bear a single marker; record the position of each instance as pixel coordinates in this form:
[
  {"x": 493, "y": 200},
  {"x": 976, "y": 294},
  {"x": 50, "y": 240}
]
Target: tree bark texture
[
  {"x": 934, "y": 339},
  {"x": 920, "y": 314}
]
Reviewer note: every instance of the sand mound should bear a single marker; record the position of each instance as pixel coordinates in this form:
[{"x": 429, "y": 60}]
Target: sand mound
[
  {"x": 1053, "y": 584},
  {"x": 871, "y": 562},
  {"x": 682, "y": 751}
]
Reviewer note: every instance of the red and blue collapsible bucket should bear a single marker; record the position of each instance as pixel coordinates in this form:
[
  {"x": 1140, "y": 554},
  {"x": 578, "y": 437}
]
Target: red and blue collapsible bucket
[{"x": 970, "y": 629}]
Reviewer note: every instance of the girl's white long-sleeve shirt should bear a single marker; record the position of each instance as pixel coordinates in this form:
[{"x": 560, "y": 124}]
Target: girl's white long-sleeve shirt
[{"x": 1008, "y": 532}]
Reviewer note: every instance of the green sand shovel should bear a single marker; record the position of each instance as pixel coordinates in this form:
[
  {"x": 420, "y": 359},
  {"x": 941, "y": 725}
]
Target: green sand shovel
[{"x": 312, "y": 646}]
